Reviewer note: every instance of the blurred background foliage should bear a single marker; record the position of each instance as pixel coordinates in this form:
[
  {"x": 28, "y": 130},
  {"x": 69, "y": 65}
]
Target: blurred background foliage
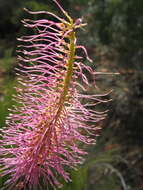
[{"x": 114, "y": 40}]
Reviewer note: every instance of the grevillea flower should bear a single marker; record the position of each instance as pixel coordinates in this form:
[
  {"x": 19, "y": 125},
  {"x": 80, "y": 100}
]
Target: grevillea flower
[{"x": 44, "y": 133}]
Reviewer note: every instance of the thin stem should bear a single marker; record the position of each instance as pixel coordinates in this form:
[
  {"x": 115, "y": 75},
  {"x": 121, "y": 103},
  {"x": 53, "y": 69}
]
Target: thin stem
[{"x": 69, "y": 73}]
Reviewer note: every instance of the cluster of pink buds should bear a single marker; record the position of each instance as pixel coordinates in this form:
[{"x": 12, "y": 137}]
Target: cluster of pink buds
[{"x": 54, "y": 115}]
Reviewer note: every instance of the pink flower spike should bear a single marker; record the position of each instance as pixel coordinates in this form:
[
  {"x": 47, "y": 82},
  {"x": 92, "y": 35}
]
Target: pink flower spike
[{"x": 44, "y": 133}]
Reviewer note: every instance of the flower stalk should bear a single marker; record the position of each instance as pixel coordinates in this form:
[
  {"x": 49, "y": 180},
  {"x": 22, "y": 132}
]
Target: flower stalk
[{"x": 43, "y": 134}]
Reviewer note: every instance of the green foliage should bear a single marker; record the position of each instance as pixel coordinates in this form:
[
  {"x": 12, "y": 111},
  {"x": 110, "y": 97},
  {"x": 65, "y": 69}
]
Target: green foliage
[
  {"x": 7, "y": 82},
  {"x": 6, "y": 93},
  {"x": 36, "y": 6}
]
